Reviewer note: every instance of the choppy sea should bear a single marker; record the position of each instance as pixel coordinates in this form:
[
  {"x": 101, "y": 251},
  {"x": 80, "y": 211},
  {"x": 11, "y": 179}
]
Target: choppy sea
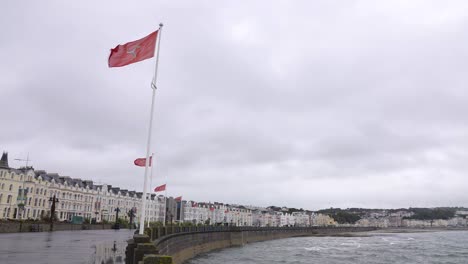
[{"x": 382, "y": 248}]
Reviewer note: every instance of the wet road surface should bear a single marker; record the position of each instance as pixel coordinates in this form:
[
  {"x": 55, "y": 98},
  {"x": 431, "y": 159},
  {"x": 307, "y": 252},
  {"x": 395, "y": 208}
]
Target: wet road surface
[{"x": 70, "y": 247}]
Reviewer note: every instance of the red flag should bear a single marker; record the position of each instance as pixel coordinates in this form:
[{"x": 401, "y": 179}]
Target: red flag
[
  {"x": 212, "y": 209},
  {"x": 133, "y": 51},
  {"x": 194, "y": 204},
  {"x": 178, "y": 199},
  {"x": 142, "y": 162},
  {"x": 226, "y": 211},
  {"x": 160, "y": 188}
]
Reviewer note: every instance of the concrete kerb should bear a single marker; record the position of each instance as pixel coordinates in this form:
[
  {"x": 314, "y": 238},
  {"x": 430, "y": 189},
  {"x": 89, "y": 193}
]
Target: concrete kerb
[{"x": 156, "y": 259}]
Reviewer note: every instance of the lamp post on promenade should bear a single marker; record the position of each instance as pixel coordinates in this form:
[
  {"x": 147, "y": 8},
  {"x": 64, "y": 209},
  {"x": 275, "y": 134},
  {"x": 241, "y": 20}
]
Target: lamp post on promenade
[
  {"x": 117, "y": 224},
  {"x": 52, "y": 211},
  {"x": 131, "y": 215}
]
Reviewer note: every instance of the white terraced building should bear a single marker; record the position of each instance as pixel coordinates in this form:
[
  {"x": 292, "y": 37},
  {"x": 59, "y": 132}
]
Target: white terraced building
[
  {"x": 26, "y": 193},
  {"x": 216, "y": 213}
]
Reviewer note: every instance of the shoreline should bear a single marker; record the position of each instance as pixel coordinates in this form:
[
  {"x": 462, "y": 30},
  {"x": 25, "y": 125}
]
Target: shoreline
[
  {"x": 396, "y": 230},
  {"x": 418, "y": 229}
]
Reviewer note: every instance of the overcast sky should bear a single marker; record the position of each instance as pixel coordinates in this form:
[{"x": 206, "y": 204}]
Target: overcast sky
[{"x": 310, "y": 104}]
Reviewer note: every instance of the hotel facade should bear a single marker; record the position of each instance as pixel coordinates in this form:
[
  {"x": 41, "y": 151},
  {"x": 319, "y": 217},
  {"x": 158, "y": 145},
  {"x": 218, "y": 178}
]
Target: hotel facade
[{"x": 26, "y": 193}]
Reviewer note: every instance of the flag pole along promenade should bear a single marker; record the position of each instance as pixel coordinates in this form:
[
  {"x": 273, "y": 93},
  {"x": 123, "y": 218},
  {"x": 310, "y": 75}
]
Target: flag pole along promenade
[{"x": 129, "y": 53}]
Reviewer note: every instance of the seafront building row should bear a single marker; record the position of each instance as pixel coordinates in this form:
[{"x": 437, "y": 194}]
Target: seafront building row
[{"x": 26, "y": 193}]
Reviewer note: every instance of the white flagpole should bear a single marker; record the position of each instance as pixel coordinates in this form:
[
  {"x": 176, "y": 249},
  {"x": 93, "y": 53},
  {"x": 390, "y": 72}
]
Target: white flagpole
[
  {"x": 149, "y": 190},
  {"x": 165, "y": 209},
  {"x": 165, "y": 201},
  {"x": 153, "y": 86}
]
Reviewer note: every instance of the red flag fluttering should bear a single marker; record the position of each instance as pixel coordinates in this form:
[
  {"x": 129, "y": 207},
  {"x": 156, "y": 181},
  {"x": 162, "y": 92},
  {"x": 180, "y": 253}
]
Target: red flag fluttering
[
  {"x": 133, "y": 51},
  {"x": 141, "y": 162},
  {"x": 178, "y": 199},
  {"x": 160, "y": 188}
]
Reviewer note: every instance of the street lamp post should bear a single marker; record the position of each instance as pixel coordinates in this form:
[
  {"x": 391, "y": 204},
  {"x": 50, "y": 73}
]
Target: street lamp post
[
  {"x": 52, "y": 211},
  {"x": 131, "y": 215},
  {"x": 117, "y": 225}
]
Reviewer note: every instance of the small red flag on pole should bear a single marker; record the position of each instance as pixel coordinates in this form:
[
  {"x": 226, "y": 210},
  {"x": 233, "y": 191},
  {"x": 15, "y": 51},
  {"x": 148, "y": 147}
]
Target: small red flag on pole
[
  {"x": 178, "y": 199},
  {"x": 160, "y": 188},
  {"x": 141, "y": 162}
]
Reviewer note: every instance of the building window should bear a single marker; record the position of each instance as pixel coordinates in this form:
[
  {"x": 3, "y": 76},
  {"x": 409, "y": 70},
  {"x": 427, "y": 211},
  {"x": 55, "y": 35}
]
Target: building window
[
  {"x": 1, "y": 196},
  {"x": 35, "y": 202},
  {"x": 29, "y": 203},
  {"x": 45, "y": 193},
  {"x": 9, "y": 199},
  {"x": 11, "y": 187}
]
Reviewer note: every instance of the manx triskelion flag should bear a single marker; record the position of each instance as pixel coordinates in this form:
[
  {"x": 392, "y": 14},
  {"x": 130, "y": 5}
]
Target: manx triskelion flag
[
  {"x": 133, "y": 51},
  {"x": 160, "y": 188},
  {"x": 141, "y": 162}
]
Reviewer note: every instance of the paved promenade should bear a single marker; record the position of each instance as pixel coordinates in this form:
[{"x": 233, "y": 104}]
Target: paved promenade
[{"x": 83, "y": 247}]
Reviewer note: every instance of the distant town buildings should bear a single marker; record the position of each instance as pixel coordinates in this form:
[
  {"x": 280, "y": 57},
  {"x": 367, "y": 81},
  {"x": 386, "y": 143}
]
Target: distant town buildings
[{"x": 26, "y": 193}]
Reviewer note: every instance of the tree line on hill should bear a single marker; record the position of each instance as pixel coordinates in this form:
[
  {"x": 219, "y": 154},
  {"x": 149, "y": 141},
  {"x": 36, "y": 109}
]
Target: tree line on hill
[
  {"x": 432, "y": 213},
  {"x": 352, "y": 215}
]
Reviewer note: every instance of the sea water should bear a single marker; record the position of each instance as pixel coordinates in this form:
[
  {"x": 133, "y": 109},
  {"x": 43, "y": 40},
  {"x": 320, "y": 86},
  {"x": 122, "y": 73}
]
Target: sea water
[{"x": 392, "y": 248}]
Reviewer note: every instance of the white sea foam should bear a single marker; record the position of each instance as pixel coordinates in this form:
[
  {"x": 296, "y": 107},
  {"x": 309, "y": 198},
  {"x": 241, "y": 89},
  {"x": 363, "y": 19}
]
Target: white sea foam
[{"x": 315, "y": 248}]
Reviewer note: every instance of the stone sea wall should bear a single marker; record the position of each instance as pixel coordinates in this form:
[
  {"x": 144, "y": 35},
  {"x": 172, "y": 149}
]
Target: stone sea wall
[
  {"x": 175, "y": 245},
  {"x": 16, "y": 227}
]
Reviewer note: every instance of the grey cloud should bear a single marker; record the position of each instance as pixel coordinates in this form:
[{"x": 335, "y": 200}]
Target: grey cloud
[{"x": 290, "y": 103}]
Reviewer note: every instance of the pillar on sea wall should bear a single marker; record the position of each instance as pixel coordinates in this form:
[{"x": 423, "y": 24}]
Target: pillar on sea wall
[
  {"x": 129, "y": 251},
  {"x": 143, "y": 249},
  {"x": 132, "y": 245}
]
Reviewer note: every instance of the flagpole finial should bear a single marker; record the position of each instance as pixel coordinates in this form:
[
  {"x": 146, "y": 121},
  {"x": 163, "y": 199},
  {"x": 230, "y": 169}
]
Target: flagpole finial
[{"x": 161, "y": 24}]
